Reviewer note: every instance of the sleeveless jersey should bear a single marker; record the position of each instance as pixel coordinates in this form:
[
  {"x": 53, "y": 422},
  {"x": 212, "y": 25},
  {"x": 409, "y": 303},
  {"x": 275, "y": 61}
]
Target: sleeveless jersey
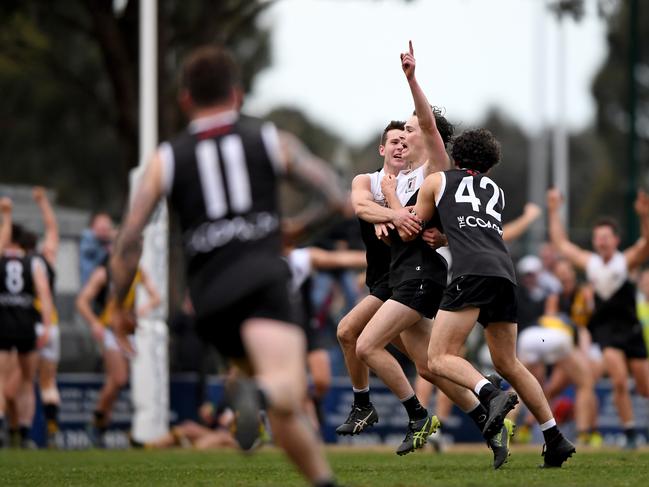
[
  {"x": 575, "y": 305},
  {"x": 378, "y": 253},
  {"x": 470, "y": 207},
  {"x": 17, "y": 290},
  {"x": 106, "y": 315},
  {"x": 416, "y": 259},
  {"x": 220, "y": 177},
  {"x": 51, "y": 278},
  {"x": 615, "y": 295}
]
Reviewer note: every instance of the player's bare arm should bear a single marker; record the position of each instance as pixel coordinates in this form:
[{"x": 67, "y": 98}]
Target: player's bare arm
[
  {"x": 302, "y": 165},
  {"x": 438, "y": 159},
  {"x": 337, "y": 259},
  {"x": 154, "y": 296},
  {"x": 44, "y": 294},
  {"x": 128, "y": 246},
  {"x": 638, "y": 253},
  {"x": 90, "y": 291},
  {"x": 558, "y": 236},
  {"x": 432, "y": 236},
  {"x": 51, "y": 242},
  {"x": 518, "y": 226},
  {"x": 402, "y": 218},
  {"x": 425, "y": 206},
  {"x": 6, "y": 207},
  {"x": 363, "y": 202}
]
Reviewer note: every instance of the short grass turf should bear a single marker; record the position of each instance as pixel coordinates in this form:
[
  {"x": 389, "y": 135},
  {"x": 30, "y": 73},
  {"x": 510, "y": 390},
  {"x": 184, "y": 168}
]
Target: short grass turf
[{"x": 353, "y": 467}]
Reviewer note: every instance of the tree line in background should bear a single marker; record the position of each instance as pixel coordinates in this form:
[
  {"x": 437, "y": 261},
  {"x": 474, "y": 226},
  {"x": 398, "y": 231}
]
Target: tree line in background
[{"x": 69, "y": 78}]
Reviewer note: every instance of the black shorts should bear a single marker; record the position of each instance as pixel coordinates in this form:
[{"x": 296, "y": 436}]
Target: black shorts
[
  {"x": 629, "y": 339},
  {"x": 21, "y": 344},
  {"x": 381, "y": 289},
  {"x": 222, "y": 328},
  {"x": 494, "y": 296},
  {"x": 422, "y": 295},
  {"x": 315, "y": 338}
]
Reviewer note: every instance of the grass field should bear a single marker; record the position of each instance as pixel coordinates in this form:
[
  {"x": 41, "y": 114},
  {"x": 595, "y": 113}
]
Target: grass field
[{"x": 354, "y": 467}]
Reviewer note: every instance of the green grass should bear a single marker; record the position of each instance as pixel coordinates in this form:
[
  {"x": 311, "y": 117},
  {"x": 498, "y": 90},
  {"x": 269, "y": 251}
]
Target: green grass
[{"x": 354, "y": 467}]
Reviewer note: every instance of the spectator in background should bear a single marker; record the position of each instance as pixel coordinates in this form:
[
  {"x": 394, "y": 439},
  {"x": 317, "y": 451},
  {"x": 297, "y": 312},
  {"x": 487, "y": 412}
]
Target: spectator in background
[
  {"x": 212, "y": 432},
  {"x": 115, "y": 351},
  {"x": 549, "y": 258},
  {"x": 93, "y": 247},
  {"x": 614, "y": 324},
  {"x": 50, "y": 353},
  {"x": 576, "y": 301},
  {"x": 531, "y": 292}
]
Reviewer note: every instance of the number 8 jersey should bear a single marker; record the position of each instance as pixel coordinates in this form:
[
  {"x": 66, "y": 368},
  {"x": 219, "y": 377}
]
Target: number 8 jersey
[
  {"x": 17, "y": 314},
  {"x": 470, "y": 206}
]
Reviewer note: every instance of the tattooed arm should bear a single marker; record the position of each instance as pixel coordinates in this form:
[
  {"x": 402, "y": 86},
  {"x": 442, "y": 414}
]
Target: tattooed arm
[{"x": 128, "y": 247}]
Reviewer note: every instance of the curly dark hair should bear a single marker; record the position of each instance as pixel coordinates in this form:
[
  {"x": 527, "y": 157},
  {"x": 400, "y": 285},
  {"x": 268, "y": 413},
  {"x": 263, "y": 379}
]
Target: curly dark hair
[
  {"x": 476, "y": 149},
  {"x": 444, "y": 127}
]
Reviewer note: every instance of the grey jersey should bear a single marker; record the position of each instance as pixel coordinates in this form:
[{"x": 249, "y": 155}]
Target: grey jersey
[{"x": 470, "y": 207}]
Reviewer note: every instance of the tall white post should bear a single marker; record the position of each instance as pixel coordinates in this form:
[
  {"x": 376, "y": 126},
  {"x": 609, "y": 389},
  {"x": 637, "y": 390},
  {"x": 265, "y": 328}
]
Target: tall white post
[
  {"x": 560, "y": 134},
  {"x": 538, "y": 156},
  {"x": 150, "y": 367}
]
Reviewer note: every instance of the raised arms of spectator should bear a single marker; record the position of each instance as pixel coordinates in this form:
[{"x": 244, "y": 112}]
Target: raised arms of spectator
[
  {"x": 5, "y": 227},
  {"x": 438, "y": 159},
  {"x": 638, "y": 253},
  {"x": 569, "y": 250},
  {"x": 51, "y": 243},
  {"x": 517, "y": 227}
]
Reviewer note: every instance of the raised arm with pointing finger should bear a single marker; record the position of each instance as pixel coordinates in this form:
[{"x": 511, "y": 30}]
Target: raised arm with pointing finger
[{"x": 438, "y": 159}]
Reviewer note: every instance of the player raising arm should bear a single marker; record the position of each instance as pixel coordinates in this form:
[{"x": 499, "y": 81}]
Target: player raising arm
[
  {"x": 614, "y": 324},
  {"x": 470, "y": 206}
]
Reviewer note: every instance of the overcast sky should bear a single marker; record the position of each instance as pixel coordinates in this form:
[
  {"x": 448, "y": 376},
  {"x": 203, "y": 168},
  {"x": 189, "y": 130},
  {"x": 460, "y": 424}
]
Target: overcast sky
[{"x": 338, "y": 61}]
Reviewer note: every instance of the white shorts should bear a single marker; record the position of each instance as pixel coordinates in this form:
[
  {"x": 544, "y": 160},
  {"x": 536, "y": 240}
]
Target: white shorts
[
  {"x": 595, "y": 353},
  {"x": 51, "y": 351},
  {"x": 110, "y": 342},
  {"x": 538, "y": 344}
]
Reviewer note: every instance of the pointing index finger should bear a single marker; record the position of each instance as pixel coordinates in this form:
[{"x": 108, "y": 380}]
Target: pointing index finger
[{"x": 412, "y": 52}]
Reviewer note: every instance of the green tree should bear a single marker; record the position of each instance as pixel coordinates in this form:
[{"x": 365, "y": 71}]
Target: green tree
[
  {"x": 611, "y": 89},
  {"x": 69, "y": 78}
]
